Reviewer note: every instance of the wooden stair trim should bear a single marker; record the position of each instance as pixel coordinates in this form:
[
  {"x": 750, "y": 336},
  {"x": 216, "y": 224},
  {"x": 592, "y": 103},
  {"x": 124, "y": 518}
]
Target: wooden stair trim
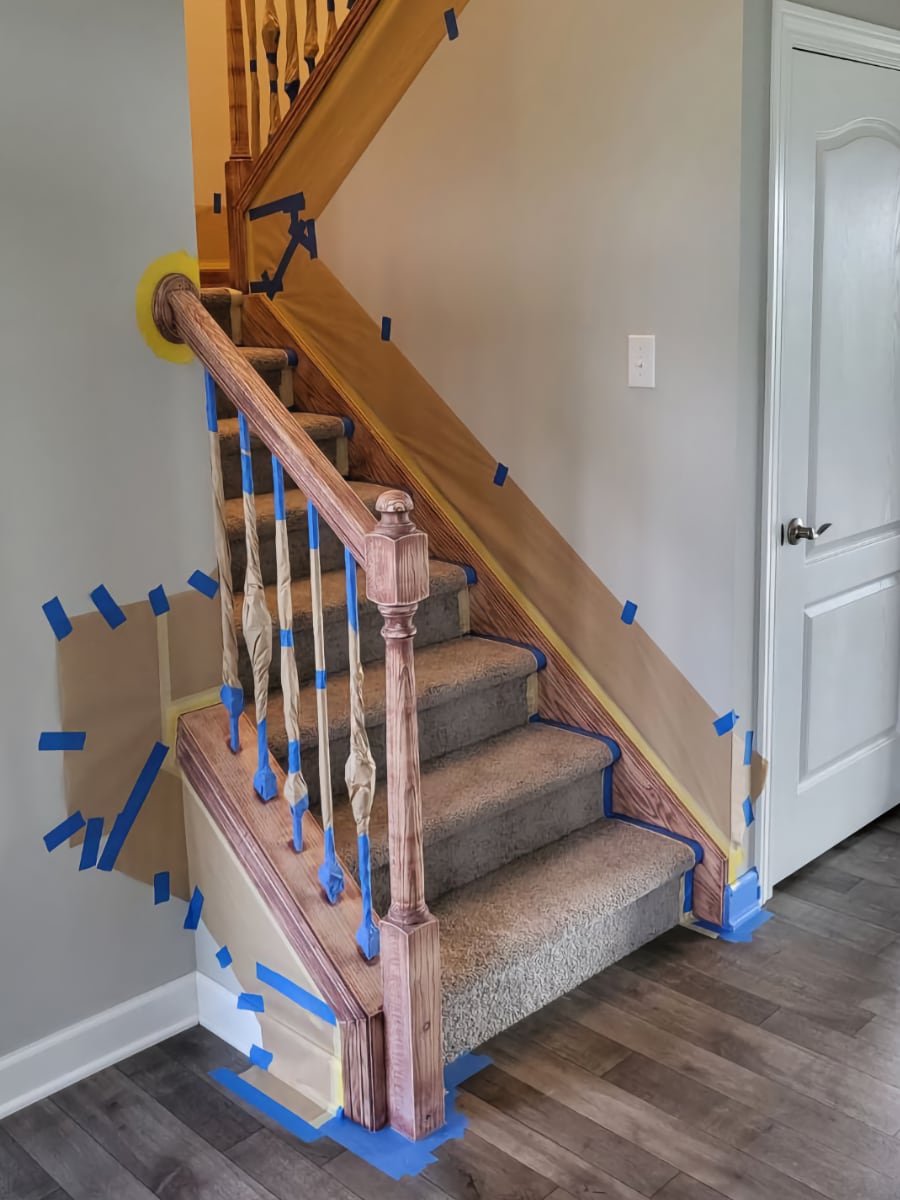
[{"x": 568, "y": 692}]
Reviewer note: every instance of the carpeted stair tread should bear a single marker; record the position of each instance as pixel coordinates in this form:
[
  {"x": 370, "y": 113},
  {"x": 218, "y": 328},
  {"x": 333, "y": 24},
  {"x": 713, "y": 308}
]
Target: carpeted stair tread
[
  {"x": 488, "y": 804},
  {"x": 265, "y": 359},
  {"x": 294, "y": 506},
  {"x": 224, "y": 305},
  {"x": 516, "y": 939}
]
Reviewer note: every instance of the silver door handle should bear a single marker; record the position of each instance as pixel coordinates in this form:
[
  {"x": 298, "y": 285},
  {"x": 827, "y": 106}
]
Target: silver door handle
[{"x": 798, "y": 532}]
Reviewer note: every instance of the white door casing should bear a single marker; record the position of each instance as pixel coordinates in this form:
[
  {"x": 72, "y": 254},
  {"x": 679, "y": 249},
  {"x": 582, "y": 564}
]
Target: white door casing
[{"x": 830, "y": 672}]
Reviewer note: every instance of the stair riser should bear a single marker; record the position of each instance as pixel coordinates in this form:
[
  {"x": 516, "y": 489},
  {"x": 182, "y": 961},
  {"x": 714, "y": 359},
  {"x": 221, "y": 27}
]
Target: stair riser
[
  {"x": 509, "y": 992},
  {"x": 485, "y": 846},
  {"x": 331, "y": 550},
  {"x": 437, "y": 620},
  {"x": 333, "y": 449},
  {"x": 224, "y": 407},
  {"x": 461, "y": 721}
]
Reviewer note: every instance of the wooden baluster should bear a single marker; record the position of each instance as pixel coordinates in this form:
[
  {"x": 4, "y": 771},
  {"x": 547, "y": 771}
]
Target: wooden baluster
[
  {"x": 331, "y": 876},
  {"x": 255, "y": 99},
  {"x": 311, "y": 40},
  {"x": 232, "y": 694},
  {"x": 271, "y": 36},
  {"x": 331, "y": 26},
  {"x": 295, "y": 789},
  {"x": 237, "y": 82},
  {"x": 256, "y": 621},
  {"x": 360, "y": 769},
  {"x": 396, "y": 580},
  {"x": 292, "y": 45}
]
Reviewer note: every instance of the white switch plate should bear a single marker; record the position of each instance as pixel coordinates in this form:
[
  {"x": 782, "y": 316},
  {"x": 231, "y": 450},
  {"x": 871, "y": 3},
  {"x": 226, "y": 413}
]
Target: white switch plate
[{"x": 642, "y": 360}]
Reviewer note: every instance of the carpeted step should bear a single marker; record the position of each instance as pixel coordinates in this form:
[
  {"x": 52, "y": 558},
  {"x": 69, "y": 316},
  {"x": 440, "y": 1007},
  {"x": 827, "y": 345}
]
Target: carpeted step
[
  {"x": 327, "y": 432},
  {"x": 468, "y": 689},
  {"x": 225, "y": 305},
  {"x": 331, "y": 550},
  {"x": 275, "y": 367},
  {"x": 489, "y": 804},
  {"x": 522, "y": 936},
  {"x": 443, "y": 615}
]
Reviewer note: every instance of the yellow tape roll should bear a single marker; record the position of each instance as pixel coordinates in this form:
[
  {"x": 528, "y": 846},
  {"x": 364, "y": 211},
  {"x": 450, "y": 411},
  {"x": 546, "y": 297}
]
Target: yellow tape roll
[{"x": 180, "y": 263}]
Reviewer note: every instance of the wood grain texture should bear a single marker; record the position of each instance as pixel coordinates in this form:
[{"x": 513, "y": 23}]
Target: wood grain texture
[
  {"x": 237, "y": 81},
  {"x": 497, "y": 606},
  {"x": 236, "y": 172}
]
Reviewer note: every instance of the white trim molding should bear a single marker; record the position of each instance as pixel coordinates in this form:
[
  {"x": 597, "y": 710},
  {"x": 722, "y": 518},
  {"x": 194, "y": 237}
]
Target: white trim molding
[
  {"x": 794, "y": 27},
  {"x": 108, "y": 1037},
  {"x": 218, "y": 1012}
]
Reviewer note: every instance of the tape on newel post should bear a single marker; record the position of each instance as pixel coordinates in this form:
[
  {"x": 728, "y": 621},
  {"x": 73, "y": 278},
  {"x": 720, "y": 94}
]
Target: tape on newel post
[
  {"x": 300, "y": 806},
  {"x": 368, "y": 937}
]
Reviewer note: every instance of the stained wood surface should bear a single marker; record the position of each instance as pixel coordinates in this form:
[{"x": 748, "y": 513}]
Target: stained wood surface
[
  {"x": 237, "y": 81},
  {"x": 496, "y": 608},
  {"x": 630, "y": 1087}
]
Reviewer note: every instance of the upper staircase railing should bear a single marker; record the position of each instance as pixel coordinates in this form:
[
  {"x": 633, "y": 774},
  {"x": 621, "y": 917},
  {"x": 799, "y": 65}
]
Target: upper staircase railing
[{"x": 394, "y": 556}]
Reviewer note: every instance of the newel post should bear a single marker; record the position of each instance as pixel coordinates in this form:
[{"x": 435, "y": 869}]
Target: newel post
[{"x": 396, "y": 580}]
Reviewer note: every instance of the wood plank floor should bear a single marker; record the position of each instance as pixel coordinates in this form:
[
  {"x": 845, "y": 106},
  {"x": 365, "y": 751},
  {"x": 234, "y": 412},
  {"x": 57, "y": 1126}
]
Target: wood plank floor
[{"x": 693, "y": 1070}]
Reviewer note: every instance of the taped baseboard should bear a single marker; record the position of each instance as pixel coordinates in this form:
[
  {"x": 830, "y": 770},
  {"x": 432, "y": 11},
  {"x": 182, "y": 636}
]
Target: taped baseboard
[
  {"x": 108, "y": 1037},
  {"x": 218, "y": 1012}
]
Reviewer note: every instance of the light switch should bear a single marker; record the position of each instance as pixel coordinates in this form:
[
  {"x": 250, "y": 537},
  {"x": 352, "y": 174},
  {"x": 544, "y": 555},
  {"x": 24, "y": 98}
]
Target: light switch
[{"x": 642, "y": 360}]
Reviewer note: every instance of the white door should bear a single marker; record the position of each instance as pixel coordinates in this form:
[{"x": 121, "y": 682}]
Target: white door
[{"x": 835, "y": 752}]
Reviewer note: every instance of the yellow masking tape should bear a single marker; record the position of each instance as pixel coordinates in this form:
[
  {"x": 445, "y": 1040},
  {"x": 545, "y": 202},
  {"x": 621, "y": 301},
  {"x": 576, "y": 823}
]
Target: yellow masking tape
[{"x": 179, "y": 263}]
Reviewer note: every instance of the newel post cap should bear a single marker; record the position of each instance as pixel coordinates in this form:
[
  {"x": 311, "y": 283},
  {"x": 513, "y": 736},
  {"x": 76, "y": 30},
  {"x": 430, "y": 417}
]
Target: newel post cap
[{"x": 396, "y": 554}]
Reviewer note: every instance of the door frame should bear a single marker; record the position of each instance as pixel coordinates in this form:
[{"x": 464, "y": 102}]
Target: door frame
[{"x": 794, "y": 27}]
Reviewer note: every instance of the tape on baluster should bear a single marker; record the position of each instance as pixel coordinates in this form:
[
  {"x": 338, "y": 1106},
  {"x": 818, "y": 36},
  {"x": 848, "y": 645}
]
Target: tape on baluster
[{"x": 58, "y": 618}]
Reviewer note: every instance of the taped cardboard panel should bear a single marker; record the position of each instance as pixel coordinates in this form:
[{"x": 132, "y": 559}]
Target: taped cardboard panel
[
  {"x": 304, "y": 1106},
  {"x": 109, "y": 685},
  {"x": 301, "y": 1065},
  {"x": 237, "y": 916},
  {"x": 195, "y": 644}
]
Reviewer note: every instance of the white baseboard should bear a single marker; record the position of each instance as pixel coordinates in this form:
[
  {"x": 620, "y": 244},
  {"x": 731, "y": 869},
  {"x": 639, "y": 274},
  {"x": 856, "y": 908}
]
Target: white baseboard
[
  {"x": 55, "y": 1062},
  {"x": 218, "y": 1012}
]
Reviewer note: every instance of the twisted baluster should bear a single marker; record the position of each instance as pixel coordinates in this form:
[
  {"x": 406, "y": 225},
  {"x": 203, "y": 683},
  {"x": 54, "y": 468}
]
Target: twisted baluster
[
  {"x": 331, "y": 26},
  {"x": 331, "y": 876},
  {"x": 292, "y": 60},
  {"x": 295, "y": 789},
  {"x": 311, "y": 41},
  {"x": 360, "y": 769},
  {"x": 255, "y": 102},
  {"x": 232, "y": 693},
  {"x": 256, "y": 621},
  {"x": 271, "y": 36}
]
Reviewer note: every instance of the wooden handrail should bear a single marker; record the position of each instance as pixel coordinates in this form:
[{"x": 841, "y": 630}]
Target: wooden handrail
[{"x": 181, "y": 317}]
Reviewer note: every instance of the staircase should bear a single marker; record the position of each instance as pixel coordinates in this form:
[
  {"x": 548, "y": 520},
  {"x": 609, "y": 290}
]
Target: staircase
[{"x": 533, "y": 889}]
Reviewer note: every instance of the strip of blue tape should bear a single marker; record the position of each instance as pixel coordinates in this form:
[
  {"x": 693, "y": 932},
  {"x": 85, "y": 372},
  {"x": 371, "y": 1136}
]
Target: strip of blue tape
[
  {"x": 64, "y": 739},
  {"x": 254, "y": 66},
  {"x": 726, "y": 723},
  {"x": 90, "y": 847},
  {"x": 224, "y": 957},
  {"x": 385, "y": 329},
  {"x": 58, "y": 618},
  {"x": 293, "y": 757},
  {"x": 212, "y": 420},
  {"x": 500, "y": 474},
  {"x": 748, "y": 812},
  {"x": 312, "y": 522},
  {"x": 159, "y": 601},
  {"x": 107, "y": 607},
  {"x": 293, "y": 992},
  {"x": 261, "y": 1058},
  {"x": 287, "y": 638},
  {"x": 66, "y": 829},
  {"x": 278, "y": 489},
  {"x": 287, "y": 204},
  {"x": 452, "y": 26},
  {"x": 743, "y": 933},
  {"x": 203, "y": 583},
  {"x": 352, "y": 590},
  {"x": 127, "y": 817},
  {"x": 629, "y": 612},
  {"x": 321, "y": 680},
  {"x": 195, "y": 908},
  {"x": 217, "y": 202},
  {"x": 251, "y": 1002},
  {"x": 349, "y": 427},
  {"x": 748, "y": 747},
  {"x": 162, "y": 887}
]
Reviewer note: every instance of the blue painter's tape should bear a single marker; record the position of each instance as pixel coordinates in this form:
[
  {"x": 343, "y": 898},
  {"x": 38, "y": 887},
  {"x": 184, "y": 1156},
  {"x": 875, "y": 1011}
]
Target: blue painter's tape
[
  {"x": 273, "y": 84},
  {"x": 58, "y": 618},
  {"x": 748, "y": 747},
  {"x": 287, "y": 204},
  {"x": 385, "y": 329},
  {"x": 159, "y": 601},
  {"x": 292, "y": 88},
  {"x": 162, "y": 887},
  {"x": 688, "y": 905},
  {"x": 726, "y": 723},
  {"x": 261, "y": 1058},
  {"x": 748, "y": 812},
  {"x": 251, "y": 1002},
  {"x": 464, "y": 1068},
  {"x": 264, "y": 781},
  {"x": 246, "y": 455},
  {"x": 254, "y": 66},
  {"x": 203, "y": 583},
  {"x": 500, "y": 474},
  {"x": 212, "y": 420},
  {"x": 452, "y": 27},
  {"x": 224, "y": 958},
  {"x": 742, "y": 911},
  {"x": 287, "y": 638},
  {"x": 278, "y": 489},
  {"x": 233, "y": 700},
  {"x": 331, "y": 877},
  {"x": 540, "y": 656},
  {"x": 66, "y": 829},
  {"x": 629, "y": 612},
  {"x": 349, "y": 427},
  {"x": 195, "y": 908},
  {"x": 368, "y": 937},
  {"x": 293, "y": 757},
  {"x": 90, "y": 847},
  {"x": 329, "y": 5},
  {"x": 62, "y": 740},
  {"x": 297, "y": 812},
  {"x": 217, "y": 202},
  {"x": 292, "y": 357},
  {"x": 352, "y": 592},
  {"x": 296, "y": 994},
  {"x": 127, "y": 817},
  {"x": 107, "y": 607},
  {"x": 321, "y": 680},
  {"x": 312, "y": 521}
]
